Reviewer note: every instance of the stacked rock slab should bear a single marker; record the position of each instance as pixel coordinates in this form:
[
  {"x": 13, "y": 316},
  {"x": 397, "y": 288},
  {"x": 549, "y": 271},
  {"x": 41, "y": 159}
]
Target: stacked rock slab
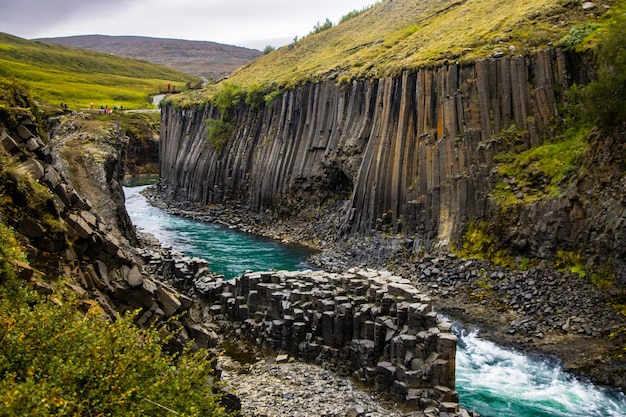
[
  {"x": 101, "y": 265},
  {"x": 372, "y": 324}
]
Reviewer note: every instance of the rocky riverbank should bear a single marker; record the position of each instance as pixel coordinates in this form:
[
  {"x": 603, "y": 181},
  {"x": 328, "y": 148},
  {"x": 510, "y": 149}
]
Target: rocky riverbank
[
  {"x": 540, "y": 310},
  {"x": 370, "y": 325},
  {"x": 280, "y": 386}
]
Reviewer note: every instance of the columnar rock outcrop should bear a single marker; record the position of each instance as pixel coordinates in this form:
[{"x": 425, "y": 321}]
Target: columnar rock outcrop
[
  {"x": 371, "y": 324},
  {"x": 411, "y": 154}
]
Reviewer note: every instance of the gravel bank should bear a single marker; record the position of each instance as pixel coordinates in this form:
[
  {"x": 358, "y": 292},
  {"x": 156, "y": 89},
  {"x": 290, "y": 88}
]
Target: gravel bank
[{"x": 295, "y": 389}]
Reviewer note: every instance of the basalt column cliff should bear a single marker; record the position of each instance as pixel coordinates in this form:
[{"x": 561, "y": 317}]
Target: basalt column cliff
[{"x": 412, "y": 154}]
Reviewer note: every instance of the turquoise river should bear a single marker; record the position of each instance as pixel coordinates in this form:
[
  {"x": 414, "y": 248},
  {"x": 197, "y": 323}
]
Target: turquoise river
[{"x": 493, "y": 381}]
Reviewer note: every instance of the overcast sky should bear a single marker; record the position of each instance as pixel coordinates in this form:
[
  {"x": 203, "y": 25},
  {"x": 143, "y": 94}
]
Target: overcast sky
[{"x": 250, "y": 23}]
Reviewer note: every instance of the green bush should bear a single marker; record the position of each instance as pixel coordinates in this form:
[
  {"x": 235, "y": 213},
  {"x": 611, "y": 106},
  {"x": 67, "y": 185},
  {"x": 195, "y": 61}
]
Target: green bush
[
  {"x": 57, "y": 361},
  {"x": 255, "y": 96},
  {"x": 605, "y": 98},
  {"x": 356, "y": 12},
  {"x": 320, "y": 28},
  {"x": 272, "y": 96},
  {"x": 228, "y": 99},
  {"x": 218, "y": 133},
  {"x": 577, "y": 35},
  {"x": 268, "y": 49},
  {"x": 60, "y": 357}
]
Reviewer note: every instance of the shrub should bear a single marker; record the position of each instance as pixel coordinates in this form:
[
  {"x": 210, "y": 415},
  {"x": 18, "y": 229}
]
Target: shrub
[
  {"x": 273, "y": 96},
  {"x": 218, "y": 133},
  {"x": 356, "y": 12},
  {"x": 228, "y": 99},
  {"x": 268, "y": 49},
  {"x": 577, "y": 35},
  {"x": 255, "y": 96},
  {"x": 605, "y": 98},
  {"x": 320, "y": 28},
  {"x": 57, "y": 361}
]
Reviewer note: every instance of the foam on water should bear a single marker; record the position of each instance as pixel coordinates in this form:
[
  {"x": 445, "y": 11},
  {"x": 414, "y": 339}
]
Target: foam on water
[{"x": 500, "y": 382}]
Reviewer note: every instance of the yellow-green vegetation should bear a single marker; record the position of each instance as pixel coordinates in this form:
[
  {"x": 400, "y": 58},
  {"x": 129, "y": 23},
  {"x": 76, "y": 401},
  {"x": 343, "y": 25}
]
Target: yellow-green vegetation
[
  {"x": 142, "y": 129},
  {"x": 59, "y": 357},
  {"x": 356, "y": 12},
  {"x": 10, "y": 252},
  {"x": 538, "y": 172},
  {"x": 601, "y": 277},
  {"x": 227, "y": 99},
  {"x": 531, "y": 175},
  {"x": 20, "y": 195},
  {"x": 15, "y": 103},
  {"x": 574, "y": 262},
  {"x": 479, "y": 242},
  {"x": 218, "y": 132},
  {"x": 57, "y": 74},
  {"x": 603, "y": 101},
  {"x": 570, "y": 261},
  {"x": 396, "y": 35}
]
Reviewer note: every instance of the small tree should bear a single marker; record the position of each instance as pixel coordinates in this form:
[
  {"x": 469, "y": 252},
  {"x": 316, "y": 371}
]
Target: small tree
[
  {"x": 268, "y": 49},
  {"x": 320, "y": 28}
]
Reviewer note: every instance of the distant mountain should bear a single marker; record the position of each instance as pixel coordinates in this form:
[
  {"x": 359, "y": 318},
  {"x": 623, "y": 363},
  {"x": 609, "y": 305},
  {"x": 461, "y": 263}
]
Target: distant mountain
[{"x": 200, "y": 58}]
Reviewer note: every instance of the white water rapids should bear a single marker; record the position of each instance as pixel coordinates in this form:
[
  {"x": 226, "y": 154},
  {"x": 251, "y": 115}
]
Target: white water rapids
[{"x": 500, "y": 382}]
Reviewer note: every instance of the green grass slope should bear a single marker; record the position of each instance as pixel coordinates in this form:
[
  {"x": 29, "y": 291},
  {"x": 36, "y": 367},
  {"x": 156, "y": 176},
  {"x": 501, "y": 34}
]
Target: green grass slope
[
  {"x": 394, "y": 35},
  {"x": 57, "y": 74}
]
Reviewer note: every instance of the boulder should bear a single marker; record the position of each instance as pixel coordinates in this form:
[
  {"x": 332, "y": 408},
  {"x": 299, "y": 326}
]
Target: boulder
[
  {"x": 133, "y": 276},
  {"x": 169, "y": 300}
]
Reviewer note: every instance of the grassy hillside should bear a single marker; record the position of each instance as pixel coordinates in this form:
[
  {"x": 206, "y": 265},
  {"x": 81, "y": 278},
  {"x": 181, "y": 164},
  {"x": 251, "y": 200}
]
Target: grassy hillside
[
  {"x": 397, "y": 34},
  {"x": 57, "y": 74}
]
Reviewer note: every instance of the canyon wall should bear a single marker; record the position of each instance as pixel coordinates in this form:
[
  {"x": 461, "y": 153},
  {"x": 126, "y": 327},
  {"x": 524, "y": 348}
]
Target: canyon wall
[
  {"x": 77, "y": 227},
  {"x": 412, "y": 154}
]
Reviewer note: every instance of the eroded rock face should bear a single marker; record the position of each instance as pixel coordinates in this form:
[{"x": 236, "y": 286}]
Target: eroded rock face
[
  {"x": 412, "y": 154},
  {"x": 82, "y": 230},
  {"x": 415, "y": 152}
]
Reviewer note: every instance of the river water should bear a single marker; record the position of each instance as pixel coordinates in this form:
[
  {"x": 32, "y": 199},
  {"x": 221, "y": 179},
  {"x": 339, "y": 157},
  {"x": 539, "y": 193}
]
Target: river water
[
  {"x": 492, "y": 381},
  {"x": 229, "y": 252}
]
